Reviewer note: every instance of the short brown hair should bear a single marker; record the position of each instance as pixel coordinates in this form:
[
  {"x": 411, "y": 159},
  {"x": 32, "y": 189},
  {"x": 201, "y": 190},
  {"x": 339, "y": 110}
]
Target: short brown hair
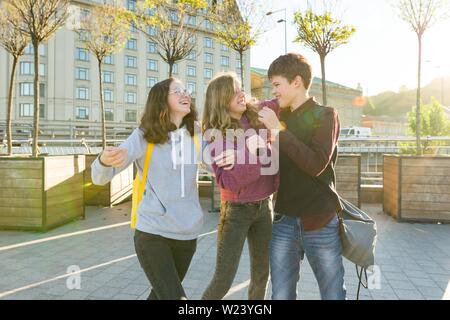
[
  {"x": 290, "y": 66},
  {"x": 155, "y": 122}
]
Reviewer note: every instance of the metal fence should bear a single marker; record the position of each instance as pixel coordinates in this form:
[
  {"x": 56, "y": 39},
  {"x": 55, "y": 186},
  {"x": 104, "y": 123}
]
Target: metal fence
[{"x": 370, "y": 149}]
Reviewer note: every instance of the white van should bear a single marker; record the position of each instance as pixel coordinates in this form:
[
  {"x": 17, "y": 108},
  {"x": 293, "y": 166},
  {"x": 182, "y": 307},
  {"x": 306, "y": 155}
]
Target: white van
[{"x": 356, "y": 132}]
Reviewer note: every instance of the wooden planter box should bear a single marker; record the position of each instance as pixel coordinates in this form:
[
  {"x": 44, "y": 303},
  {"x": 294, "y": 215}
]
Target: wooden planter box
[
  {"x": 40, "y": 193},
  {"x": 112, "y": 193},
  {"x": 348, "y": 177},
  {"x": 417, "y": 188}
]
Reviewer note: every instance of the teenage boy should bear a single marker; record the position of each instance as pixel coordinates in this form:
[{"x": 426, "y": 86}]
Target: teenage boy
[{"x": 305, "y": 220}]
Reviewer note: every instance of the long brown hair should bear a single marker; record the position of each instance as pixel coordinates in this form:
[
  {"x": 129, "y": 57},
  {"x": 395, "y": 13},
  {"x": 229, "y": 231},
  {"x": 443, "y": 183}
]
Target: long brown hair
[
  {"x": 155, "y": 122},
  {"x": 219, "y": 94}
]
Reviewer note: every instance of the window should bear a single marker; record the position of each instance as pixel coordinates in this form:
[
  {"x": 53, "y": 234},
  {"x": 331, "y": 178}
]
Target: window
[
  {"x": 82, "y": 54},
  {"x": 192, "y": 39},
  {"x": 224, "y": 47},
  {"x": 130, "y": 61},
  {"x": 152, "y": 65},
  {"x": 191, "y": 71},
  {"x": 208, "y": 73},
  {"x": 26, "y": 67},
  {"x": 192, "y": 55},
  {"x": 151, "y": 81},
  {"x": 130, "y": 115},
  {"x": 152, "y": 47},
  {"x": 109, "y": 114},
  {"x": 29, "y": 49},
  {"x": 191, "y": 20},
  {"x": 27, "y": 110},
  {"x": 108, "y": 76},
  {"x": 26, "y": 89},
  {"x": 191, "y": 86},
  {"x": 109, "y": 59},
  {"x": 82, "y": 113},
  {"x": 41, "y": 110},
  {"x": 82, "y": 74},
  {"x": 174, "y": 68},
  {"x": 84, "y": 13},
  {"x": 238, "y": 64},
  {"x": 208, "y": 42},
  {"x": 208, "y": 25},
  {"x": 42, "y": 69},
  {"x": 173, "y": 16},
  {"x": 225, "y": 61},
  {"x": 133, "y": 27},
  {"x": 131, "y": 79},
  {"x": 208, "y": 58},
  {"x": 131, "y": 97},
  {"x": 131, "y": 44},
  {"x": 152, "y": 31},
  {"x": 83, "y": 35},
  {"x": 131, "y": 5},
  {"x": 82, "y": 93},
  {"x": 42, "y": 90},
  {"x": 108, "y": 95}
]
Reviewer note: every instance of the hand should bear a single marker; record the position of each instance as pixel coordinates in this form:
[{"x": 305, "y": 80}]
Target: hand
[
  {"x": 254, "y": 143},
  {"x": 114, "y": 157},
  {"x": 268, "y": 117},
  {"x": 226, "y": 159}
]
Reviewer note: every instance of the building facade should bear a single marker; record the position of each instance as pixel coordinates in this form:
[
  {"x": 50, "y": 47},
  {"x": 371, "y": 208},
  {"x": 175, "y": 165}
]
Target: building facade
[
  {"x": 346, "y": 100},
  {"x": 70, "y": 82}
]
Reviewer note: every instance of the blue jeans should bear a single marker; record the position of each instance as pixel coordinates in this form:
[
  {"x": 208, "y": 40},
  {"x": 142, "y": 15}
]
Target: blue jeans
[{"x": 323, "y": 249}]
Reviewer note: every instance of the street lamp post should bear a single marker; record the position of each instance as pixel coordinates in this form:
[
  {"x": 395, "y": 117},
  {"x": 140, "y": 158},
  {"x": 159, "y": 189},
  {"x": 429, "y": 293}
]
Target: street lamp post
[{"x": 285, "y": 27}]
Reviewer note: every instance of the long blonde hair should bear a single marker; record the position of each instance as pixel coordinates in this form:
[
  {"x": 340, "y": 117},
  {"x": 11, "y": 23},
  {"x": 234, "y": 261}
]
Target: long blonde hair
[{"x": 219, "y": 94}]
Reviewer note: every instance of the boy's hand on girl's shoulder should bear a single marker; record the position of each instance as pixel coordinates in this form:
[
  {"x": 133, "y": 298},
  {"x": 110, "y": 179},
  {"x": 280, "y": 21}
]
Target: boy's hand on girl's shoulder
[{"x": 114, "y": 157}]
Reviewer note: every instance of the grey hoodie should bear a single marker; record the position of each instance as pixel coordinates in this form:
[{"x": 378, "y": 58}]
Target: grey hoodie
[{"x": 170, "y": 205}]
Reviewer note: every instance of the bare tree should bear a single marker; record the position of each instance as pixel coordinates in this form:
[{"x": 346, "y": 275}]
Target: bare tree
[
  {"x": 167, "y": 24},
  {"x": 421, "y": 15},
  {"x": 14, "y": 42},
  {"x": 239, "y": 25},
  {"x": 104, "y": 31},
  {"x": 39, "y": 20},
  {"x": 321, "y": 33}
]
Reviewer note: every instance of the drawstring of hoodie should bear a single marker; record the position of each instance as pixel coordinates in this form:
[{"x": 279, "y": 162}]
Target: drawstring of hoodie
[
  {"x": 173, "y": 137},
  {"x": 182, "y": 164}
]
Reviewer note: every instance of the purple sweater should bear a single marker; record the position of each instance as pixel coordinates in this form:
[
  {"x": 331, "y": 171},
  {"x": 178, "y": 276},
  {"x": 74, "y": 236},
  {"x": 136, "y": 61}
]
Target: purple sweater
[{"x": 244, "y": 183}]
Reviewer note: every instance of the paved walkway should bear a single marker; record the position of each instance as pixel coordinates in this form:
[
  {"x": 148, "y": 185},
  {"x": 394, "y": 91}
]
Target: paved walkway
[{"x": 414, "y": 260}]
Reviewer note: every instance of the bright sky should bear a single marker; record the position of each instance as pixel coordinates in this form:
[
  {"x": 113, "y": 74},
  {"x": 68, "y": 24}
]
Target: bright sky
[{"x": 382, "y": 55}]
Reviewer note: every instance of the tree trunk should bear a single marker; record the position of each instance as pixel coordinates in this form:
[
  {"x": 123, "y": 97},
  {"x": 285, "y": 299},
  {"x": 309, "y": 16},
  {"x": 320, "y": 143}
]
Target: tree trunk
[
  {"x": 36, "y": 99},
  {"x": 418, "y": 102},
  {"x": 102, "y": 105},
  {"x": 170, "y": 69},
  {"x": 241, "y": 56},
  {"x": 10, "y": 106},
  {"x": 324, "y": 85}
]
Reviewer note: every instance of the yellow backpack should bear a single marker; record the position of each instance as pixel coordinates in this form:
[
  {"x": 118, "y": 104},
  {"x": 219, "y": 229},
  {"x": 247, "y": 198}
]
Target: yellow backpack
[{"x": 139, "y": 182}]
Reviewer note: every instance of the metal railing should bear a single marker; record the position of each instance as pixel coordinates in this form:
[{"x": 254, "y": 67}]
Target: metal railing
[{"x": 370, "y": 149}]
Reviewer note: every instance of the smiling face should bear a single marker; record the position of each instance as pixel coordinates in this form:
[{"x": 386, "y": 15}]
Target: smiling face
[
  {"x": 238, "y": 102},
  {"x": 179, "y": 100},
  {"x": 286, "y": 92}
]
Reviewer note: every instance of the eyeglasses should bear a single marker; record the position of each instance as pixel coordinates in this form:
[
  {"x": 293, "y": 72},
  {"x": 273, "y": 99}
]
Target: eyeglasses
[{"x": 181, "y": 92}]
